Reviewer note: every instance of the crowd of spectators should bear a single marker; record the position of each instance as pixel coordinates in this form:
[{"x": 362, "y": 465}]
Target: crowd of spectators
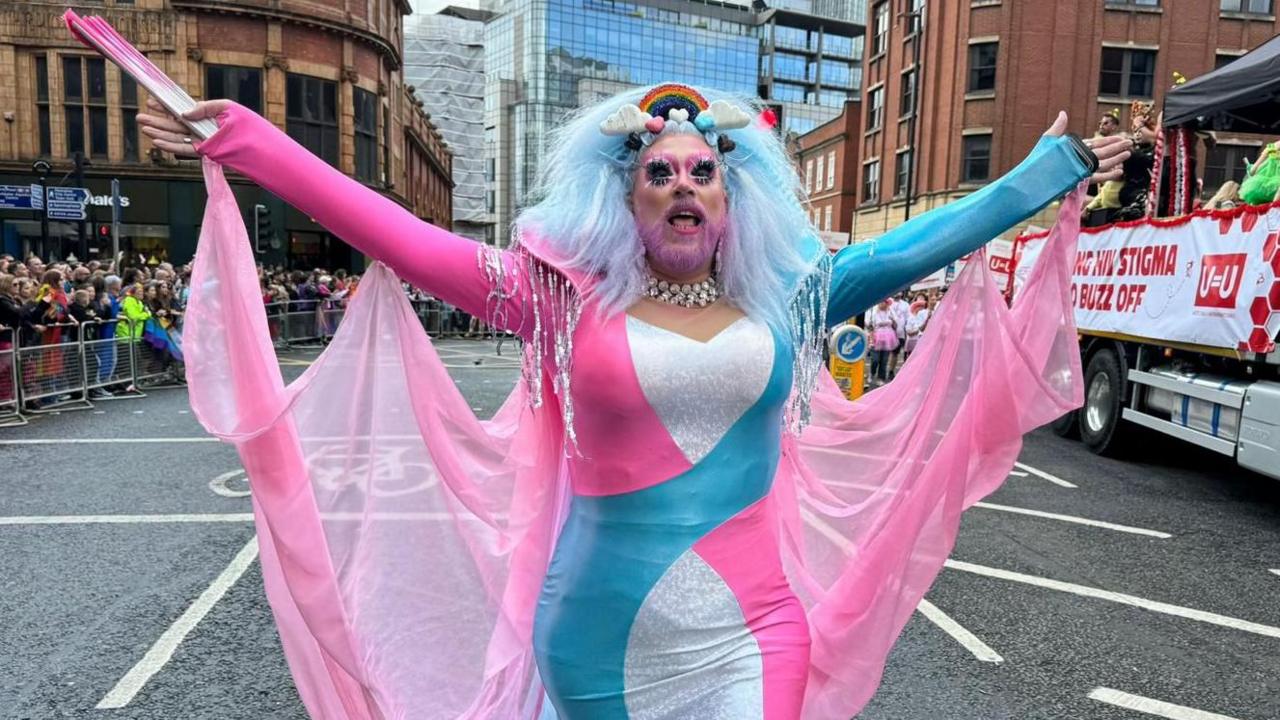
[{"x": 63, "y": 302}]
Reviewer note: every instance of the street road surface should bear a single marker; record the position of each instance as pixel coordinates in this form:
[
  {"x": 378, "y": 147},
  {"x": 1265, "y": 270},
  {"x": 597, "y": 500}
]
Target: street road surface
[{"x": 1083, "y": 588}]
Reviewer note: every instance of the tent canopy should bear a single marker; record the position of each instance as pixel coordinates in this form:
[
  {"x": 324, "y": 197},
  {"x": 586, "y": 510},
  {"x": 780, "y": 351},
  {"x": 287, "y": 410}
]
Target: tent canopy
[{"x": 1241, "y": 96}]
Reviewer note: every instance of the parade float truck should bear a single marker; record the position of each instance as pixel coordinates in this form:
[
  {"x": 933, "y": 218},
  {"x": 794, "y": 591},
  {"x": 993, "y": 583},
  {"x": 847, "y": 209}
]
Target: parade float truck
[
  {"x": 1178, "y": 316},
  {"x": 1178, "y": 320}
]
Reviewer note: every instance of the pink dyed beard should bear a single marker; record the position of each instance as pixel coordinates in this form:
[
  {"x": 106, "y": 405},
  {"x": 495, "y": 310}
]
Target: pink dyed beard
[{"x": 684, "y": 257}]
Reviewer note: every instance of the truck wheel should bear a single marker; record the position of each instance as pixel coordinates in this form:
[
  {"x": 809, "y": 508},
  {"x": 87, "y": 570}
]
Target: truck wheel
[
  {"x": 1104, "y": 391},
  {"x": 1067, "y": 426}
]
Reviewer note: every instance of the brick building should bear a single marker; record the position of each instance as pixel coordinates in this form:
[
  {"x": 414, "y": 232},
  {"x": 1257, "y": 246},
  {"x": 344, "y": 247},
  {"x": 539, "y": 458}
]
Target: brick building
[
  {"x": 827, "y": 157},
  {"x": 992, "y": 75},
  {"x": 326, "y": 71}
]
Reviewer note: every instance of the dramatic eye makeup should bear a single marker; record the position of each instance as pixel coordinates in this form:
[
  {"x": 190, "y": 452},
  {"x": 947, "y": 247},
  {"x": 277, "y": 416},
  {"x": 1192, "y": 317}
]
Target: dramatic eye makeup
[
  {"x": 703, "y": 170},
  {"x": 658, "y": 171}
]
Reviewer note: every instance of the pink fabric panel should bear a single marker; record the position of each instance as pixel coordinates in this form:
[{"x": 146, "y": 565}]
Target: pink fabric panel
[
  {"x": 772, "y": 611},
  {"x": 870, "y": 494},
  {"x": 609, "y": 405}
]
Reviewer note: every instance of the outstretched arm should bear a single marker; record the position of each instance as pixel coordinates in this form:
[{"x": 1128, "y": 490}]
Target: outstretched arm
[
  {"x": 448, "y": 266},
  {"x": 866, "y": 273}
]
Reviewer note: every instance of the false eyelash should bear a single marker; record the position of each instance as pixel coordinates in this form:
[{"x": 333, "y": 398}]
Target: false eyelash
[
  {"x": 704, "y": 171},
  {"x": 659, "y": 172}
]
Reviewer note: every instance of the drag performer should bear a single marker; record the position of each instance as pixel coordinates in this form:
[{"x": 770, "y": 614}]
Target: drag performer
[{"x": 675, "y": 514}]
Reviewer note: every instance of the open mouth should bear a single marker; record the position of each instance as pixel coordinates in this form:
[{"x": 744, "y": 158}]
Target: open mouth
[{"x": 684, "y": 221}]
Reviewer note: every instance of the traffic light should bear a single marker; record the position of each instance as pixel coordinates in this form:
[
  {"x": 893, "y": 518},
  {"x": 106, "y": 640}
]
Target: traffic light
[
  {"x": 262, "y": 229},
  {"x": 104, "y": 231}
]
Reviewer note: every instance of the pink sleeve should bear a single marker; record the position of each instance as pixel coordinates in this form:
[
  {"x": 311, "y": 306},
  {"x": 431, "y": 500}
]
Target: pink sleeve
[{"x": 450, "y": 267}]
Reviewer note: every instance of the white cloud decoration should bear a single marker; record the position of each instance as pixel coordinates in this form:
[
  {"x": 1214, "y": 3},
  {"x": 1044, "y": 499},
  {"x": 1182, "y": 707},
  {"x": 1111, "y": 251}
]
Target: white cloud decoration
[
  {"x": 626, "y": 120},
  {"x": 727, "y": 115}
]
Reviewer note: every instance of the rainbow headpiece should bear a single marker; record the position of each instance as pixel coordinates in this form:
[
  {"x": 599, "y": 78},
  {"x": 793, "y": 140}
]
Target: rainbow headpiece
[{"x": 674, "y": 103}]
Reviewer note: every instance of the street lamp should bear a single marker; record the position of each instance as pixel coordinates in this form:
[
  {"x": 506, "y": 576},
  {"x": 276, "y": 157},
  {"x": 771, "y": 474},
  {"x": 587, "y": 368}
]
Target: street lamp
[{"x": 42, "y": 169}]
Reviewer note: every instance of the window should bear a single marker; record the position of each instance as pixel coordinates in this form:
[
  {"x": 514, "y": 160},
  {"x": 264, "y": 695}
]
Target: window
[
  {"x": 831, "y": 169},
  {"x": 903, "y": 174},
  {"x": 42, "y": 105},
  {"x": 817, "y": 175},
  {"x": 1224, "y": 59},
  {"x": 982, "y": 66},
  {"x": 871, "y": 181},
  {"x": 880, "y": 42},
  {"x": 808, "y": 176},
  {"x": 311, "y": 115},
  {"x": 1127, "y": 73},
  {"x": 84, "y": 95},
  {"x": 73, "y": 103},
  {"x": 875, "y": 108},
  {"x": 128, "y": 116},
  {"x": 1139, "y": 3},
  {"x": 241, "y": 84},
  {"x": 915, "y": 17},
  {"x": 96, "y": 82},
  {"x": 826, "y": 218},
  {"x": 1252, "y": 7},
  {"x": 907, "y": 101},
  {"x": 977, "y": 159},
  {"x": 366, "y": 131},
  {"x": 1226, "y": 162}
]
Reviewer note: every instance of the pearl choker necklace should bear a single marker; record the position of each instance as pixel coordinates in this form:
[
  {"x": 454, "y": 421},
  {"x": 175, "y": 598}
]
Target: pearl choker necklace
[{"x": 699, "y": 294}]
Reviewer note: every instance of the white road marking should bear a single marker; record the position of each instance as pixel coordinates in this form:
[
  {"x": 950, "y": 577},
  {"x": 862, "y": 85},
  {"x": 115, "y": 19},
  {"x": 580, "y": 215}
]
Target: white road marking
[
  {"x": 1131, "y": 600},
  {"x": 1276, "y": 571},
  {"x": 1073, "y": 519},
  {"x": 219, "y": 485},
  {"x": 1017, "y": 473},
  {"x": 1042, "y": 474},
  {"x": 120, "y": 441},
  {"x": 1146, "y": 705},
  {"x": 163, "y": 648},
  {"x": 126, "y": 519},
  {"x": 979, "y": 649}
]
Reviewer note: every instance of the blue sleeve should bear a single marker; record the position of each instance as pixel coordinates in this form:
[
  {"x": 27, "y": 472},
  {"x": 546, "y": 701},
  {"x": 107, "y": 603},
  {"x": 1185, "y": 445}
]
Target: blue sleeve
[{"x": 866, "y": 273}]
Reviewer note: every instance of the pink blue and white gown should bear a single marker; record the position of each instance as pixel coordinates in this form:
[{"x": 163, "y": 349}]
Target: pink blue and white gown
[{"x": 666, "y": 561}]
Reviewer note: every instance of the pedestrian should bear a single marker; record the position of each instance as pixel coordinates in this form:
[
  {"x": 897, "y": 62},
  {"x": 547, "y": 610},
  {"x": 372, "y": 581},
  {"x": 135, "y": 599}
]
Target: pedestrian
[
  {"x": 917, "y": 319},
  {"x": 884, "y": 340},
  {"x": 675, "y": 322},
  {"x": 901, "y": 311}
]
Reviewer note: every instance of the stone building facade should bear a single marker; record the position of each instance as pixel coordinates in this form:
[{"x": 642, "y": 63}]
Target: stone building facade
[{"x": 326, "y": 71}]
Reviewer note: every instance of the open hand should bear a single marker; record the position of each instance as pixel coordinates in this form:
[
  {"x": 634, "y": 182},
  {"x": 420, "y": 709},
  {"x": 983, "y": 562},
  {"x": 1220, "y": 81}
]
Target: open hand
[
  {"x": 169, "y": 133},
  {"x": 1111, "y": 151}
]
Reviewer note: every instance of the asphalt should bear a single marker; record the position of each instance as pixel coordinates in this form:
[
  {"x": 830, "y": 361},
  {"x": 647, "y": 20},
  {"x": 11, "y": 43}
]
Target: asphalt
[{"x": 81, "y": 603}]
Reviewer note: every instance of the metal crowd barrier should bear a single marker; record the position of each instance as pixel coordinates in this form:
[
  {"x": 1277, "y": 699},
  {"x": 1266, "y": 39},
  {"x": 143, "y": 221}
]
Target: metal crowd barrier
[
  {"x": 10, "y": 405},
  {"x": 91, "y": 362},
  {"x": 76, "y": 365}
]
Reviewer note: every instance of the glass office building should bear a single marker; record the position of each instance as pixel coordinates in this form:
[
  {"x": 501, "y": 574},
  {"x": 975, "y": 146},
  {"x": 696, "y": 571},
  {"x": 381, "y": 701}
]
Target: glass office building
[{"x": 545, "y": 58}]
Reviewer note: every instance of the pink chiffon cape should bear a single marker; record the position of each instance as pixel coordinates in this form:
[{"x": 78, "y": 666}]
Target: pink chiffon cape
[{"x": 404, "y": 541}]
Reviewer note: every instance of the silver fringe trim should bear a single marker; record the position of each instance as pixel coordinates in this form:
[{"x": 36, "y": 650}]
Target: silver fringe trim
[
  {"x": 808, "y": 341},
  {"x": 555, "y": 307}
]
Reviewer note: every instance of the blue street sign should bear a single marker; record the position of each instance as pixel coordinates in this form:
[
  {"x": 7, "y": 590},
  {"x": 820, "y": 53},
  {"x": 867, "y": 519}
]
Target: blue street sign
[
  {"x": 67, "y": 203},
  {"x": 20, "y": 197},
  {"x": 849, "y": 343}
]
